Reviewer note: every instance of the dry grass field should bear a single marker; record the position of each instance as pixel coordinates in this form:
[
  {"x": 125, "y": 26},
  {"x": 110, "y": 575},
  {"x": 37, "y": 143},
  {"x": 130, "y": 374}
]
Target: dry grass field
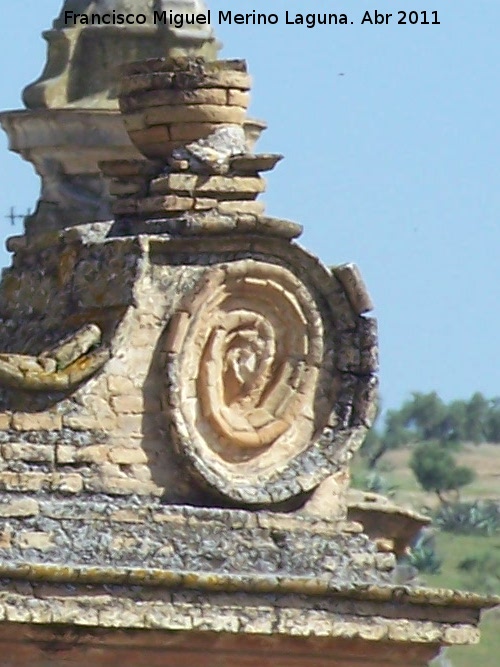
[{"x": 483, "y": 459}]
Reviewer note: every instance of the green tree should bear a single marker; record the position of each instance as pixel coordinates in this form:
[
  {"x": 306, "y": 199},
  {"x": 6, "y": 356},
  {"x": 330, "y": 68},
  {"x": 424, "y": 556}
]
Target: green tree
[
  {"x": 394, "y": 435},
  {"x": 493, "y": 426},
  {"x": 476, "y": 421},
  {"x": 426, "y": 415},
  {"x": 436, "y": 470},
  {"x": 456, "y": 422}
]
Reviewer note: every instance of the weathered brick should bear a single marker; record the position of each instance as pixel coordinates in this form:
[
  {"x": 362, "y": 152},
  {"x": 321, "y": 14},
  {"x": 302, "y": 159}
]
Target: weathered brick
[
  {"x": 129, "y": 423},
  {"x": 110, "y": 470},
  {"x": 151, "y": 135},
  {"x": 119, "y": 384},
  {"x": 128, "y": 516},
  {"x": 106, "y": 422},
  {"x": 134, "y": 121},
  {"x": 5, "y": 421},
  {"x": 27, "y": 452},
  {"x": 13, "y": 481},
  {"x": 123, "y": 486},
  {"x": 241, "y": 206},
  {"x": 372, "y": 632},
  {"x": 41, "y": 611},
  {"x": 191, "y": 131},
  {"x": 66, "y": 454},
  {"x": 238, "y": 97},
  {"x": 127, "y": 442},
  {"x": 121, "y": 542},
  {"x": 141, "y": 472},
  {"x": 114, "y": 616},
  {"x": 127, "y": 404},
  {"x": 196, "y": 113},
  {"x": 9, "y": 481},
  {"x": 71, "y": 483},
  {"x": 242, "y": 187},
  {"x": 127, "y": 455},
  {"x": 6, "y": 538},
  {"x": 461, "y": 634},
  {"x": 36, "y": 421},
  {"x": 16, "y": 613},
  {"x": 35, "y": 540},
  {"x": 164, "y": 203},
  {"x": 180, "y": 97},
  {"x": 167, "y": 617},
  {"x": 80, "y": 422},
  {"x": 98, "y": 405},
  {"x": 19, "y": 508},
  {"x": 385, "y": 561},
  {"x": 363, "y": 559},
  {"x": 93, "y": 454}
]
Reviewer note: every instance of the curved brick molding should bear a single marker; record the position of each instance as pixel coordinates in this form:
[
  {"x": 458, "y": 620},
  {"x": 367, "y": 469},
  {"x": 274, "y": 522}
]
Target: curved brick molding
[
  {"x": 254, "y": 378},
  {"x": 65, "y": 366}
]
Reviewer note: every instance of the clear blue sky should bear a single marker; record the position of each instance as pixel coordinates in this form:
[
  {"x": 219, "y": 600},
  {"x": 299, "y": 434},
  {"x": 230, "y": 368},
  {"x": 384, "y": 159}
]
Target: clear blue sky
[{"x": 395, "y": 166}]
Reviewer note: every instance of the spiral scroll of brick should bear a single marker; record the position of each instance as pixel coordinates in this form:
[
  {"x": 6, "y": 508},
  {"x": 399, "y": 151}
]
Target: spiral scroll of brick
[{"x": 270, "y": 376}]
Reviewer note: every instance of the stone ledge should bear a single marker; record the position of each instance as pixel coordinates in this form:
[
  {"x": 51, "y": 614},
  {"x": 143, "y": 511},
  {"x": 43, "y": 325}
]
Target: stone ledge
[
  {"x": 252, "y": 584},
  {"x": 280, "y": 608},
  {"x": 209, "y": 224},
  {"x": 183, "y": 538},
  {"x": 219, "y": 225}
]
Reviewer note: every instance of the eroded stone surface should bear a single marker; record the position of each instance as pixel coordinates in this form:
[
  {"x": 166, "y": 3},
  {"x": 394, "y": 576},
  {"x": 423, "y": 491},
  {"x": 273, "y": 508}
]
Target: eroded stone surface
[
  {"x": 236, "y": 629},
  {"x": 87, "y": 66},
  {"x": 134, "y": 533},
  {"x": 241, "y": 372}
]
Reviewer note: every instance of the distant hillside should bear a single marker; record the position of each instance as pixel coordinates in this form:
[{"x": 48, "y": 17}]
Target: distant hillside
[{"x": 467, "y": 561}]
